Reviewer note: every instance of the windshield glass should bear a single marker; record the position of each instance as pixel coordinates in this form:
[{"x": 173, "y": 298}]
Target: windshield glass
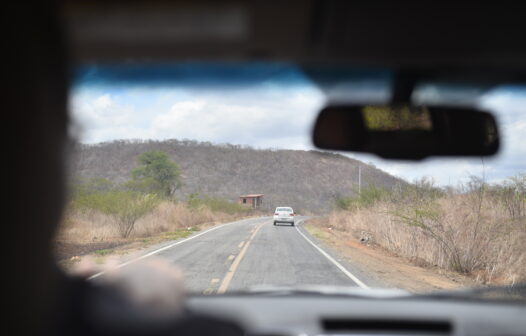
[{"x": 185, "y": 162}]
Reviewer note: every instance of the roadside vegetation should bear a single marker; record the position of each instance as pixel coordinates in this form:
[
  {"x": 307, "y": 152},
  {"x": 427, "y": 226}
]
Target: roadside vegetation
[
  {"x": 305, "y": 180},
  {"x": 99, "y": 210},
  {"x": 477, "y": 229}
]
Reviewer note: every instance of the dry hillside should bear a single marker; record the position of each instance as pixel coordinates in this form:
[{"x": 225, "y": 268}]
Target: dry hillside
[{"x": 305, "y": 180}]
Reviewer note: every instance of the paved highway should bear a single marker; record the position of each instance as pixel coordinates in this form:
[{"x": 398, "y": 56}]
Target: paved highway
[{"x": 253, "y": 252}]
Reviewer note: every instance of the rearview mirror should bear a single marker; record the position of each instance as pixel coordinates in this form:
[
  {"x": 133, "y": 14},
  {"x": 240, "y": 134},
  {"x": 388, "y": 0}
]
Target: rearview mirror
[{"x": 407, "y": 132}]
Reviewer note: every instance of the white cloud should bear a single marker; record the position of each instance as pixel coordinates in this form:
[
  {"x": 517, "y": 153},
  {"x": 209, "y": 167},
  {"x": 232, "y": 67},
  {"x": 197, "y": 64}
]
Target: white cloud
[
  {"x": 273, "y": 116},
  {"x": 268, "y": 123},
  {"x": 99, "y": 118},
  {"x": 103, "y": 102}
]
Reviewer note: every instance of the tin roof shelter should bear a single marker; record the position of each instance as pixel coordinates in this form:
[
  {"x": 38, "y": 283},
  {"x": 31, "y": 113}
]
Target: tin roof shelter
[{"x": 252, "y": 200}]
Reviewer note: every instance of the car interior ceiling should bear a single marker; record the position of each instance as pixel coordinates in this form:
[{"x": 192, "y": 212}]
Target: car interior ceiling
[{"x": 481, "y": 43}]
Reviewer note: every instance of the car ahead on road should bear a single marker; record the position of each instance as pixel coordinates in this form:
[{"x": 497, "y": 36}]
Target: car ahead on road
[{"x": 284, "y": 215}]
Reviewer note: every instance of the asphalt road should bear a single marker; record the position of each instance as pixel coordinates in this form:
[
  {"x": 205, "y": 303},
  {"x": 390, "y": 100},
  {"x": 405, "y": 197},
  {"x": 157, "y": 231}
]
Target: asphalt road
[{"x": 253, "y": 252}]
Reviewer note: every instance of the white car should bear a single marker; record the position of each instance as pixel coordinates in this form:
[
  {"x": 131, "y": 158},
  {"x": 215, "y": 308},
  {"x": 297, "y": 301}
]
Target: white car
[{"x": 284, "y": 215}]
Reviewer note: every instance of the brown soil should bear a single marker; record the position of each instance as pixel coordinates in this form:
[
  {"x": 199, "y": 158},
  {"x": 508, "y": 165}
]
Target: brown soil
[
  {"x": 387, "y": 269},
  {"x": 66, "y": 250}
]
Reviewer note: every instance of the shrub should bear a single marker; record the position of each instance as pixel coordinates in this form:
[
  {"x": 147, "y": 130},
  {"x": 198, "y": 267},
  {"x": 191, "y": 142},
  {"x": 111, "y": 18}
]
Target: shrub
[
  {"x": 512, "y": 194},
  {"x": 216, "y": 204},
  {"x": 92, "y": 185},
  {"x": 478, "y": 228},
  {"x": 125, "y": 206},
  {"x": 367, "y": 197}
]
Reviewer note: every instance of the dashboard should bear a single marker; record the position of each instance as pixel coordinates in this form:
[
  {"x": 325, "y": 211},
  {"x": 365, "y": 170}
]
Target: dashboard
[{"x": 290, "y": 315}]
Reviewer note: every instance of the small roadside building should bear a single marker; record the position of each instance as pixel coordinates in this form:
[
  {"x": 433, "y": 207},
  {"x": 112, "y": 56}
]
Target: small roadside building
[{"x": 252, "y": 200}]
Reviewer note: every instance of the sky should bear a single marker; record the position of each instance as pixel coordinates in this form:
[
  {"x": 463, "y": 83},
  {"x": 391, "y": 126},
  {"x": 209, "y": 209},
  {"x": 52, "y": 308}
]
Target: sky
[{"x": 265, "y": 106}]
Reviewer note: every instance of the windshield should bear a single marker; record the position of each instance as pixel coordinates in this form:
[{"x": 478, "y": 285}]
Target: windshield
[{"x": 185, "y": 162}]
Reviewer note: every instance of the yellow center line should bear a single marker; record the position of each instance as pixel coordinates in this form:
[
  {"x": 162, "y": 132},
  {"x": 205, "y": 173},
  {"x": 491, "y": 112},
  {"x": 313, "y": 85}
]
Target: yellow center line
[{"x": 230, "y": 274}]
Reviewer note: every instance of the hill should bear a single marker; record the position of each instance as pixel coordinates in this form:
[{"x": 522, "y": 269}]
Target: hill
[{"x": 305, "y": 180}]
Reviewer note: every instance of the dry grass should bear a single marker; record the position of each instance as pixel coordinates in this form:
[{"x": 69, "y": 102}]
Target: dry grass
[
  {"x": 85, "y": 226},
  {"x": 455, "y": 232}
]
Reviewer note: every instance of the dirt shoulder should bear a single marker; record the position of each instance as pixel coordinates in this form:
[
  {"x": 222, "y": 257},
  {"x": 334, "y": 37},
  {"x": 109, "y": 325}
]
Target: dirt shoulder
[
  {"x": 386, "y": 268},
  {"x": 71, "y": 253}
]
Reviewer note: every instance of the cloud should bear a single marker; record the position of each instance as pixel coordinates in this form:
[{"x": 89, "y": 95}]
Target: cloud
[
  {"x": 273, "y": 116},
  {"x": 261, "y": 117},
  {"x": 271, "y": 122},
  {"x": 103, "y": 102},
  {"x": 101, "y": 116}
]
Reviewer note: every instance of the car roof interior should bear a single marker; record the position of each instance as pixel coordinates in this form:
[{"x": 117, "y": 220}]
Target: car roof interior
[
  {"x": 416, "y": 41},
  {"x": 397, "y": 35}
]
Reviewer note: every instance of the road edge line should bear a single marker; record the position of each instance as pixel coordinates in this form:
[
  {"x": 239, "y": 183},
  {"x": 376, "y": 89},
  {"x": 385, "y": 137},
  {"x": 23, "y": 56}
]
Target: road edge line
[
  {"x": 331, "y": 259},
  {"x": 149, "y": 254}
]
